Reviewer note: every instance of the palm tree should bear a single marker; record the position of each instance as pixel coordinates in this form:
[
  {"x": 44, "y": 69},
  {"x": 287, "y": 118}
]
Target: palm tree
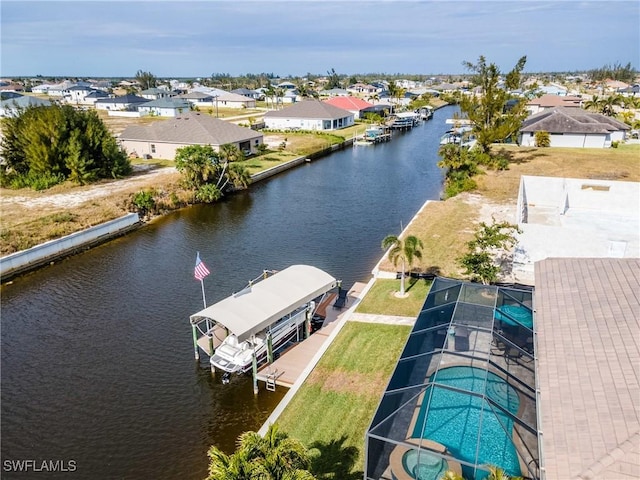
[
  {"x": 272, "y": 457},
  {"x": 403, "y": 251},
  {"x": 496, "y": 473},
  {"x": 451, "y": 475}
]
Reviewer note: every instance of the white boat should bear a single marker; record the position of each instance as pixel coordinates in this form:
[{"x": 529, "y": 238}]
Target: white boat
[
  {"x": 264, "y": 317},
  {"x": 459, "y": 136}
]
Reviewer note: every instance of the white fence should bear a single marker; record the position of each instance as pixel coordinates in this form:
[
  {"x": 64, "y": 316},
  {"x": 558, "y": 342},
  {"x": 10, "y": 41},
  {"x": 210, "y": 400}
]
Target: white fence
[{"x": 20, "y": 262}]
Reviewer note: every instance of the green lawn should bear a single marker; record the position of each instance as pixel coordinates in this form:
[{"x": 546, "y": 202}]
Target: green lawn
[
  {"x": 381, "y": 298},
  {"x": 334, "y": 407}
]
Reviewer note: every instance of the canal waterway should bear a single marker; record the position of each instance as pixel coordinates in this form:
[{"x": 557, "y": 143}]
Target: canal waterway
[{"x": 97, "y": 355}]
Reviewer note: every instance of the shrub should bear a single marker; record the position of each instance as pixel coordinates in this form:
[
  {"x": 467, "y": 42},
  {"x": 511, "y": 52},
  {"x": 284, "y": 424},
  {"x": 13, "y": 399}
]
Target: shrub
[
  {"x": 144, "y": 202},
  {"x": 615, "y": 144},
  {"x": 542, "y": 138}
]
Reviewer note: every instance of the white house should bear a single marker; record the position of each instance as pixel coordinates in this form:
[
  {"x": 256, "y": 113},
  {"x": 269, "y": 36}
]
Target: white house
[
  {"x": 155, "y": 93},
  {"x": 11, "y": 106},
  {"x": 127, "y": 103},
  {"x": 573, "y": 127},
  {"x": 164, "y": 107},
  {"x": 309, "y": 115},
  {"x": 76, "y": 93},
  {"x": 161, "y": 139}
]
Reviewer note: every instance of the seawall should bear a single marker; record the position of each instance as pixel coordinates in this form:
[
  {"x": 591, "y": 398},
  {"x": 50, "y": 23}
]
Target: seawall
[{"x": 34, "y": 257}]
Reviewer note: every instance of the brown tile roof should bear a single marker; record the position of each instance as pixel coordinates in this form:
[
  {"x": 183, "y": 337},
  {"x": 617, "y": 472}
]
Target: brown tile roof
[
  {"x": 549, "y": 101},
  {"x": 190, "y": 129},
  {"x": 310, "y": 109},
  {"x": 588, "y": 346},
  {"x": 571, "y": 120}
]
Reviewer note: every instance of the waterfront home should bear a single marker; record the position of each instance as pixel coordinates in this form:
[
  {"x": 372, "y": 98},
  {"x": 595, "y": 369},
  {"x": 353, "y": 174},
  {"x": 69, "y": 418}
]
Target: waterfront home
[
  {"x": 354, "y": 105},
  {"x": 573, "y": 127},
  {"x": 161, "y": 139},
  {"x": 309, "y": 115}
]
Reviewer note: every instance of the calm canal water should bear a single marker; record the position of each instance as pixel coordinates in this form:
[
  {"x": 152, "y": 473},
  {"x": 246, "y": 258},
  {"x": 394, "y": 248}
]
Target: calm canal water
[{"x": 97, "y": 360}]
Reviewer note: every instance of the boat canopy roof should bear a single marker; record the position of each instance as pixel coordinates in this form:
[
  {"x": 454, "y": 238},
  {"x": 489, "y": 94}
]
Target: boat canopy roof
[{"x": 259, "y": 305}]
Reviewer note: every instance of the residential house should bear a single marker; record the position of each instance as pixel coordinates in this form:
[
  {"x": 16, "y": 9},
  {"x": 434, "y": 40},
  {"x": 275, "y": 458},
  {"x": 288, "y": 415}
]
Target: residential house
[
  {"x": 233, "y": 100},
  {"x": 161, "y": 139},
  {"x": 552, "y": 89},
  {"x": 11, "y": 87},
  {"x": 128, "y": 103},
  {"x": 198, "y": 99},
  {"x": 547, "y": 101},
  {"x": 573, "y": 127},
  {"x": 93, "y": 96},
  {"x": 248, "y": 93},
  {"x": 11, "y": 106},
  {"x": 76, "y": 93},
  {"x": 155, "y": 93},
  {"x": 631, "y": 91},
  {"x": 363, "y": 89},
  {"x": 334, "y": 92},
  {"x": 309, "y": 115},
  {"x": 354, "y": 105},
  {"x": 164, "y": 107}
]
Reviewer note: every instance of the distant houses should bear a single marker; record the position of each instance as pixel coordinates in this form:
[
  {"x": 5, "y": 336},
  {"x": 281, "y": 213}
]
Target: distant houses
[{"x": 161, "y": 139}]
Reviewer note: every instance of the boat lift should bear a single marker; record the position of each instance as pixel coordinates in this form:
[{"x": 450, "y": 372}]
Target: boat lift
[{"x": 252, "y": 311}]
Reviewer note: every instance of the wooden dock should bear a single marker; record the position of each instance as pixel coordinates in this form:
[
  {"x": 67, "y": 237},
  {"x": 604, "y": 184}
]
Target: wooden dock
[{"x": 286, "y": 369}]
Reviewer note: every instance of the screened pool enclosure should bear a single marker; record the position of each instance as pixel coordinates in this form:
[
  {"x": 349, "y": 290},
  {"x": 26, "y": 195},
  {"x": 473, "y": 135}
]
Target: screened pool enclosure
[{"x": 462, "y": 396}]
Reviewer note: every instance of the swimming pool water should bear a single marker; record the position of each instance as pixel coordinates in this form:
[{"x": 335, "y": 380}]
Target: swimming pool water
[
  {"x": 518, "y": 312},
  {"x": 456, "y": 419},
  {"x": 423, "y": 465}
]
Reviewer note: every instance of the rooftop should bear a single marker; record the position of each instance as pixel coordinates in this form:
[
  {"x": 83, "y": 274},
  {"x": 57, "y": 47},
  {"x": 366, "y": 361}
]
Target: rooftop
[{"x": 588, "y": 346}]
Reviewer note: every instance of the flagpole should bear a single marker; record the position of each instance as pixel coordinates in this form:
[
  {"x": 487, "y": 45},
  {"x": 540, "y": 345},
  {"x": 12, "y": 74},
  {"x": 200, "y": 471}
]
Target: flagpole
[{"x": 204, "y": 300}]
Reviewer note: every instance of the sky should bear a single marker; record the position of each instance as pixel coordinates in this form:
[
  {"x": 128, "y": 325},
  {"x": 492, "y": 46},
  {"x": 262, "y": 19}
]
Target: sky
[{"x": 292, "y": 38}]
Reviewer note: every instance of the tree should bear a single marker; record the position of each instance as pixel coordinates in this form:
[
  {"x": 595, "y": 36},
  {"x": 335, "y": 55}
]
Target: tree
[
  {"x": 491, "y": 119},
  {"x": 272, "y": 457},
  {"x": 402, "y": 251},
  {"x": 146, "y": 80},
  {"x": 497, "y": 473},
  {"x": 210, "y": 173},
  {"x": 488, "y": 240},
  {"x": 460, "y": 165},
  {"x": 333, "y": 80},
  {"x": 59, "y": 142}
]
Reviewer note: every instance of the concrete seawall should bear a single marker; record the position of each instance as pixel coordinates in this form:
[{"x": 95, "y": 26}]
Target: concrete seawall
[{"x": 32, "y": 258}]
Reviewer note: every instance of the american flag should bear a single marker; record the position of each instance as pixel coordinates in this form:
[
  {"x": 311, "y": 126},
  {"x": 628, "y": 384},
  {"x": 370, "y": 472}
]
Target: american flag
[{"x": 201, "y": 269}]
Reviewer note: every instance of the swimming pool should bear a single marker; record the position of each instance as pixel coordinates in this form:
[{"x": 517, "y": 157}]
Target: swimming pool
[
  {"x": 456, "y": 419},
  {"x": 522, "y": 314}
]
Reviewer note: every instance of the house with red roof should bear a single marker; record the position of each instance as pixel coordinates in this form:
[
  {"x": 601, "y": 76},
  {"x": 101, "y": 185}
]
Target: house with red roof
[{"x": 354, "y": 105}]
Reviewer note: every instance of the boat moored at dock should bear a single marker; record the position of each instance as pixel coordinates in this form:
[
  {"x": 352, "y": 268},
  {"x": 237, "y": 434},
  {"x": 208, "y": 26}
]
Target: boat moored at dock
[{"x": 260, "y": 319}]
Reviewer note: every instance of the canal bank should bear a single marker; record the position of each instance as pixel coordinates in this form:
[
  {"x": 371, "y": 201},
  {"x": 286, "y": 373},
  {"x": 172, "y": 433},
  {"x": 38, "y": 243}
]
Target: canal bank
[{"x": 103, "y": 337}]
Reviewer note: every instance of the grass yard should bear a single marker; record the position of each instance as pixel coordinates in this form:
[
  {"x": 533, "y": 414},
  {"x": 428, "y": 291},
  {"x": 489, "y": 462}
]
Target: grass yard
[
  {"x": 333, "y": 409},
  {"x": 622, "y": 163},
  {"x": 381, "y": 298}
]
